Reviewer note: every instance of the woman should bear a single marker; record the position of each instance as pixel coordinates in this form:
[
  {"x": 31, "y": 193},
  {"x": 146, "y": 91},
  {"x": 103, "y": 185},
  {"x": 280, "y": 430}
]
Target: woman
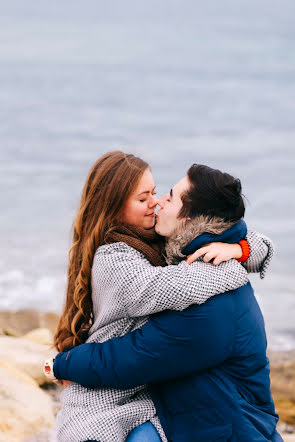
[{"x": 113, "y": 232}]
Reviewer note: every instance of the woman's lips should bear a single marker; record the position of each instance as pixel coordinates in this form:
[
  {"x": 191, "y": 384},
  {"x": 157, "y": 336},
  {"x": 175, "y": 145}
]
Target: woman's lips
[{"x": 152, "y": 214}]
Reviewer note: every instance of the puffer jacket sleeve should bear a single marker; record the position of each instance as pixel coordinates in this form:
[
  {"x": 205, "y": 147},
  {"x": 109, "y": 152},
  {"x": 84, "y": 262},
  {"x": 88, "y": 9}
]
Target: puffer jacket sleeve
[
  {"x": 141, "y": 289},
  {"x": 170, "y": 345},
  {"x": 261, "y": 253}
]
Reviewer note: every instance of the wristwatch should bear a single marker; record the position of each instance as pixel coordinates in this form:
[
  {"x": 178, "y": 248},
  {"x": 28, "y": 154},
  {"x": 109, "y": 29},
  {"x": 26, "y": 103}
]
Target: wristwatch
[{"x": 48, "y": 369}]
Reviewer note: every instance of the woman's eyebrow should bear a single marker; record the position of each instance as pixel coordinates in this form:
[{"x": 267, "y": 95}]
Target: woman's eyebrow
[
  {"x": 146, "y": 191},
  {"x": 171, "y": 193}
]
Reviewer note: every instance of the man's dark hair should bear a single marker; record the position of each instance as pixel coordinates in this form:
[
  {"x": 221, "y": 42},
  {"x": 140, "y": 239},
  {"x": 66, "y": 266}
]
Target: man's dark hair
[{"x": 213, "y": 193}]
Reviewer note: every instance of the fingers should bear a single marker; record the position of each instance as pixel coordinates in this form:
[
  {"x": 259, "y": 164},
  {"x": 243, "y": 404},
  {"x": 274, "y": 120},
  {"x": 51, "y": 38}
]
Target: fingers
[
  {"x": 58, "y": 382},
  {"x": 209, "y": 256},
  {"x": 218, "y": 260},
  {"x": 189, "y": 259},
  {"x": 214, "y": 252},
  {"x": 197, "y": 254}
]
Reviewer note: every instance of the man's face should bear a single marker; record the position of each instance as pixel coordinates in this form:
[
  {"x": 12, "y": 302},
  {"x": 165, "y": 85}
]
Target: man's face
[{"x": 170, "y": 206}]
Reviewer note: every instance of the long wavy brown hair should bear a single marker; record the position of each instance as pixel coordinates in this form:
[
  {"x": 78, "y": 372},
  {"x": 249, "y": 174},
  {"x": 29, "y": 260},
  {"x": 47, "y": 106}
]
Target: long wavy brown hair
[{"x": 110, "y": 182}]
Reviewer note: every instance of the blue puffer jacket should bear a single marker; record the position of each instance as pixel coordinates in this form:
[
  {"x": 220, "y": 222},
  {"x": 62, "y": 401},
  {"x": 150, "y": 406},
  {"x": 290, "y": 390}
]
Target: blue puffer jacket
[{"x": 206, "y": 367}]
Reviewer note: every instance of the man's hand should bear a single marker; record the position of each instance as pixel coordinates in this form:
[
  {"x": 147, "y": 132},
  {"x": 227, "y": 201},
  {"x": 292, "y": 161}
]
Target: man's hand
[
  {"x": 48, "y": 371},
  {"x": 216, "y": 251},
  {"x": 65, "y": 384}
]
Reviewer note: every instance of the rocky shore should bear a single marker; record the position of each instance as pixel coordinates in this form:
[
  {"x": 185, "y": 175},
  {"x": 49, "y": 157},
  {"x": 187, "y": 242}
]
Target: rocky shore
[{"x": 28, "y": 404}]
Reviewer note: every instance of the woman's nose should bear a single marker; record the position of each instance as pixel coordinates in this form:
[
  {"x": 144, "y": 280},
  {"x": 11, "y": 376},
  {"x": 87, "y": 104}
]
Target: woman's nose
[{"x": 153, "y": 201}]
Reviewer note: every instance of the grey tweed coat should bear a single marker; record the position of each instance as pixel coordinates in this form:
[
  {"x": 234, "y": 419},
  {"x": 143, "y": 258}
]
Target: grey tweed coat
[{"x": 126, "y": 289}]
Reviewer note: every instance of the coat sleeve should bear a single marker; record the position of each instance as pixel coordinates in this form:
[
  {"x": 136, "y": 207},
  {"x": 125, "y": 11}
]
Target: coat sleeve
[
  {"x": 170, "y": 345},
  {"x": 142, "y": 289},
  {"x": 261, "y": 253}
]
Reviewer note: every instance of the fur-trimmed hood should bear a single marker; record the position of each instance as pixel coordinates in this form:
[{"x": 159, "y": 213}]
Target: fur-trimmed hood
[{"x": 189, "y": 231}]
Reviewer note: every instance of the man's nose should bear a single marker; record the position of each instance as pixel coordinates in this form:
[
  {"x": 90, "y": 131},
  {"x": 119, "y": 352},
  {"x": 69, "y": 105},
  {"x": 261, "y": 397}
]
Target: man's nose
[{"x": 162, "y": 200}]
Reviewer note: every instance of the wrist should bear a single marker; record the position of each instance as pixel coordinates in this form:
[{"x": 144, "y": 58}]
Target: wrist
[
  {"x": 245, "y": 250},
  {"x": 48, "y": 369},
  {"x": 238, "y": 252}
]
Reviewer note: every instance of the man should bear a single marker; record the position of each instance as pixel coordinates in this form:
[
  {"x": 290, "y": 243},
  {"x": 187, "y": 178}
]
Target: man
[{"x": 206, "y": 366}]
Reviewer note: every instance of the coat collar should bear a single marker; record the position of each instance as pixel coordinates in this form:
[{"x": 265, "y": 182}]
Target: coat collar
[{"x": 193, "y": 234}]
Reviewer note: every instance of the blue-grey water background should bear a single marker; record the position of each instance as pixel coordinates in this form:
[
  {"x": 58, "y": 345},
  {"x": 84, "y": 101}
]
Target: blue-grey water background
[{"x": 175, "y": 82}]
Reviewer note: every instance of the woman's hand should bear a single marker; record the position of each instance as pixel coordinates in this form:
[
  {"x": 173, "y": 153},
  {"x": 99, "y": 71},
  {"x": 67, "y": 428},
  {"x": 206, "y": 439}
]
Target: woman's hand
[{"x": 216, "y": 251}]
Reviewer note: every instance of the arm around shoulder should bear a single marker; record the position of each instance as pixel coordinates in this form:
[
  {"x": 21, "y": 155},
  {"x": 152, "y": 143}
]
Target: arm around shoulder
[
  {"x": 261, "y": 253},
  {"x": 144, "y": 289}
]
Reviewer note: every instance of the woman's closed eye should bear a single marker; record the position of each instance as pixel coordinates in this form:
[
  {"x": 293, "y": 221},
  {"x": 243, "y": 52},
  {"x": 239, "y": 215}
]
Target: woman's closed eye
[{"x": 143, "y": 200}]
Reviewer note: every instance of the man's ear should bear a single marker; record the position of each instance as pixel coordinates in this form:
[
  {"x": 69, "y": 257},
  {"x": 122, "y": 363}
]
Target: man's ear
[{"x": 185, "y": 221}]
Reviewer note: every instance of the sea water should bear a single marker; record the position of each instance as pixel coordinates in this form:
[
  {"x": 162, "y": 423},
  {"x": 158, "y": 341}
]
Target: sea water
[{"x": 174, "y": 82}]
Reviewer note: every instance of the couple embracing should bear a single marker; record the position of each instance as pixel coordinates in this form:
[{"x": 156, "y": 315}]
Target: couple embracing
[{"x": 161, "y": 337}]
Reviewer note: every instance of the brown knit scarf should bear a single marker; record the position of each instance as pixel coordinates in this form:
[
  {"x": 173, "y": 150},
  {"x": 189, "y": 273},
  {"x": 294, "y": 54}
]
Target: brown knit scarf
[{"x": 148, "y": 242}]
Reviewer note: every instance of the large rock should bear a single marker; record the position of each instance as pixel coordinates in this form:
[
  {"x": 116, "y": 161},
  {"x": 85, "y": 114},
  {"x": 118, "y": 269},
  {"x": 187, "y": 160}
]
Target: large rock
[
  {"x": 21, "y": 322},
  {"x": 24, "y": 408},
  {"x": 282, "y": 375},
  {"x": 40, "y": 336},
  {"x": 26, "y": 356}
]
